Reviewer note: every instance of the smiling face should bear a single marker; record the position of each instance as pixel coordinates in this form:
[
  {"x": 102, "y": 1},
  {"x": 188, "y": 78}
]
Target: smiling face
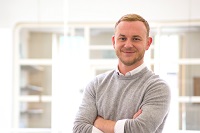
[{"x": 130, "y": 43}]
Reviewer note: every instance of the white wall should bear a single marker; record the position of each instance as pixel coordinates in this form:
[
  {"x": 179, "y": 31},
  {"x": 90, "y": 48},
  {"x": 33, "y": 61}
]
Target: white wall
[
  {"x": 13, "y": 12},
  {"x": 16, "y": 11},
  {"x": 6, "y": 55}
]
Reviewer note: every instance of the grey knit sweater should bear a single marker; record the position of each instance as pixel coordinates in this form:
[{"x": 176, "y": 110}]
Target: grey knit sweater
[{"x": 116, "y": 97}]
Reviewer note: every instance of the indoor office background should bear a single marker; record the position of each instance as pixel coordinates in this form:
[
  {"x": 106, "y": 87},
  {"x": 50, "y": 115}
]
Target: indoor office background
[{"x": 50, "y": 49}]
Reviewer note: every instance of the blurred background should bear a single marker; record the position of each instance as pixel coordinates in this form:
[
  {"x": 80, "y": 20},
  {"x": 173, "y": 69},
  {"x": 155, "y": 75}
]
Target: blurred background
[{"x": 50, "y": 49}]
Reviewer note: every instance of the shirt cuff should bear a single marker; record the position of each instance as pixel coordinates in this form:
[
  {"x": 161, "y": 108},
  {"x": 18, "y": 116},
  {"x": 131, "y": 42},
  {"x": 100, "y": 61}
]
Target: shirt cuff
[
  {"x": 96, "y": 130},
  {"x": 119, "y": 126}
]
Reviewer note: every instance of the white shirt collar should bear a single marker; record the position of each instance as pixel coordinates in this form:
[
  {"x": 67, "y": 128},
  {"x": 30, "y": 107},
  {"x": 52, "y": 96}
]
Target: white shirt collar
[{"x": 134, "y": 71}]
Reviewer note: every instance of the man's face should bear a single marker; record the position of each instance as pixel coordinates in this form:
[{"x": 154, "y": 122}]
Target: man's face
[{"x": 130, "y": 42}]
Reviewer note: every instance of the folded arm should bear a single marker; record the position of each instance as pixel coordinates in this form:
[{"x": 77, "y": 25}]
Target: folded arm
[
  {"x": 108, "y": 126},
  {"x": 154, "y": 105}
]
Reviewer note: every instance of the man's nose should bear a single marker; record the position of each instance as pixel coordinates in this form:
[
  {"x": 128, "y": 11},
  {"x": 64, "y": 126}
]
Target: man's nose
[{"x": 128, "y": 43}]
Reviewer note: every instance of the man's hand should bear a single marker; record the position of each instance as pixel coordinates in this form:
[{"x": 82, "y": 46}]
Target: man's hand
[{"x": 137, "y": 114}]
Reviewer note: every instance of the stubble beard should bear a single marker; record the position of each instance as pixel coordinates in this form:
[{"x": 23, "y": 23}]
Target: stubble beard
[{"x": 132, "y": 60}]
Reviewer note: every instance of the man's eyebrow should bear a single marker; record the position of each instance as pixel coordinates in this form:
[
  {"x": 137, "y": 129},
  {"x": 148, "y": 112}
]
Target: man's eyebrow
[
  {"x": 132, "y": 36},
  {"x": 121, "y": 35},
  {"x": 136, "y": 36}
]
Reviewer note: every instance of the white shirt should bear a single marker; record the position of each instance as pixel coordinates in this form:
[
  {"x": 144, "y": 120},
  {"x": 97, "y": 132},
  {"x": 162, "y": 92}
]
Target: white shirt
[{"x": 134, "y": 71}]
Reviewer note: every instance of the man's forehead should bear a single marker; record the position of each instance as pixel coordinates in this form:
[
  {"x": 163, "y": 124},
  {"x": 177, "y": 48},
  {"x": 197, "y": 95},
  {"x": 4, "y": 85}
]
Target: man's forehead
[{"x": 125, "y": 27}]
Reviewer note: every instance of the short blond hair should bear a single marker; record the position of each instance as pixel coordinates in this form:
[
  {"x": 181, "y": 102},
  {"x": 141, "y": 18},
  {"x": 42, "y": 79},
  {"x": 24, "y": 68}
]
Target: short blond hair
[{"x": 134, "y": 17}]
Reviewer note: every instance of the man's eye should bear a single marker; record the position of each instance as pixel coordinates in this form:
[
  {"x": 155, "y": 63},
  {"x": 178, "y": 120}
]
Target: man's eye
[
  {"x": 136, "y": 39},
  {"x": 122, "y": 38}
]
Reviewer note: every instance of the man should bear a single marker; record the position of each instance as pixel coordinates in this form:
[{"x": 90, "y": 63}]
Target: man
[{"x": 130, "y": 99}]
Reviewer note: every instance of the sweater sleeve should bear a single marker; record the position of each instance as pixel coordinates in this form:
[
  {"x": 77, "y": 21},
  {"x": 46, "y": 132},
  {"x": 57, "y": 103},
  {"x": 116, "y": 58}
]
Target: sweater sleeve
[
  {"x": 87, "y": 112},
  {"x": 155, "y": 106}
]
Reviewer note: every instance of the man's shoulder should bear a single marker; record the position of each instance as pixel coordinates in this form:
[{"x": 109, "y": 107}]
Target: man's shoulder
[{"x": 155, "y": 79}]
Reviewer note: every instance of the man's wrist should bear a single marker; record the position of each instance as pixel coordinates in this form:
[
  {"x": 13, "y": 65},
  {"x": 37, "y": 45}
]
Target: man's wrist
[{"x": 99, "y": 123}]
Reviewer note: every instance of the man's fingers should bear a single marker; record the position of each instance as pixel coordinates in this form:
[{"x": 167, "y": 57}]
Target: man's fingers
[{"x": 137, "y": 114}]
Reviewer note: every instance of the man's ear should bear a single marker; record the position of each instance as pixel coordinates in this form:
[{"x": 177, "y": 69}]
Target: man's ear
[
  {"x": 113, "y": 41},
  {"x": 149, "y": 41}
]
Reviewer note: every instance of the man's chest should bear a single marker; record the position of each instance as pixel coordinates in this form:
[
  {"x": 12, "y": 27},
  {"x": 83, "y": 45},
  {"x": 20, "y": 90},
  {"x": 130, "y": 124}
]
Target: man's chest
[{"x": 120, "y": 102}]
